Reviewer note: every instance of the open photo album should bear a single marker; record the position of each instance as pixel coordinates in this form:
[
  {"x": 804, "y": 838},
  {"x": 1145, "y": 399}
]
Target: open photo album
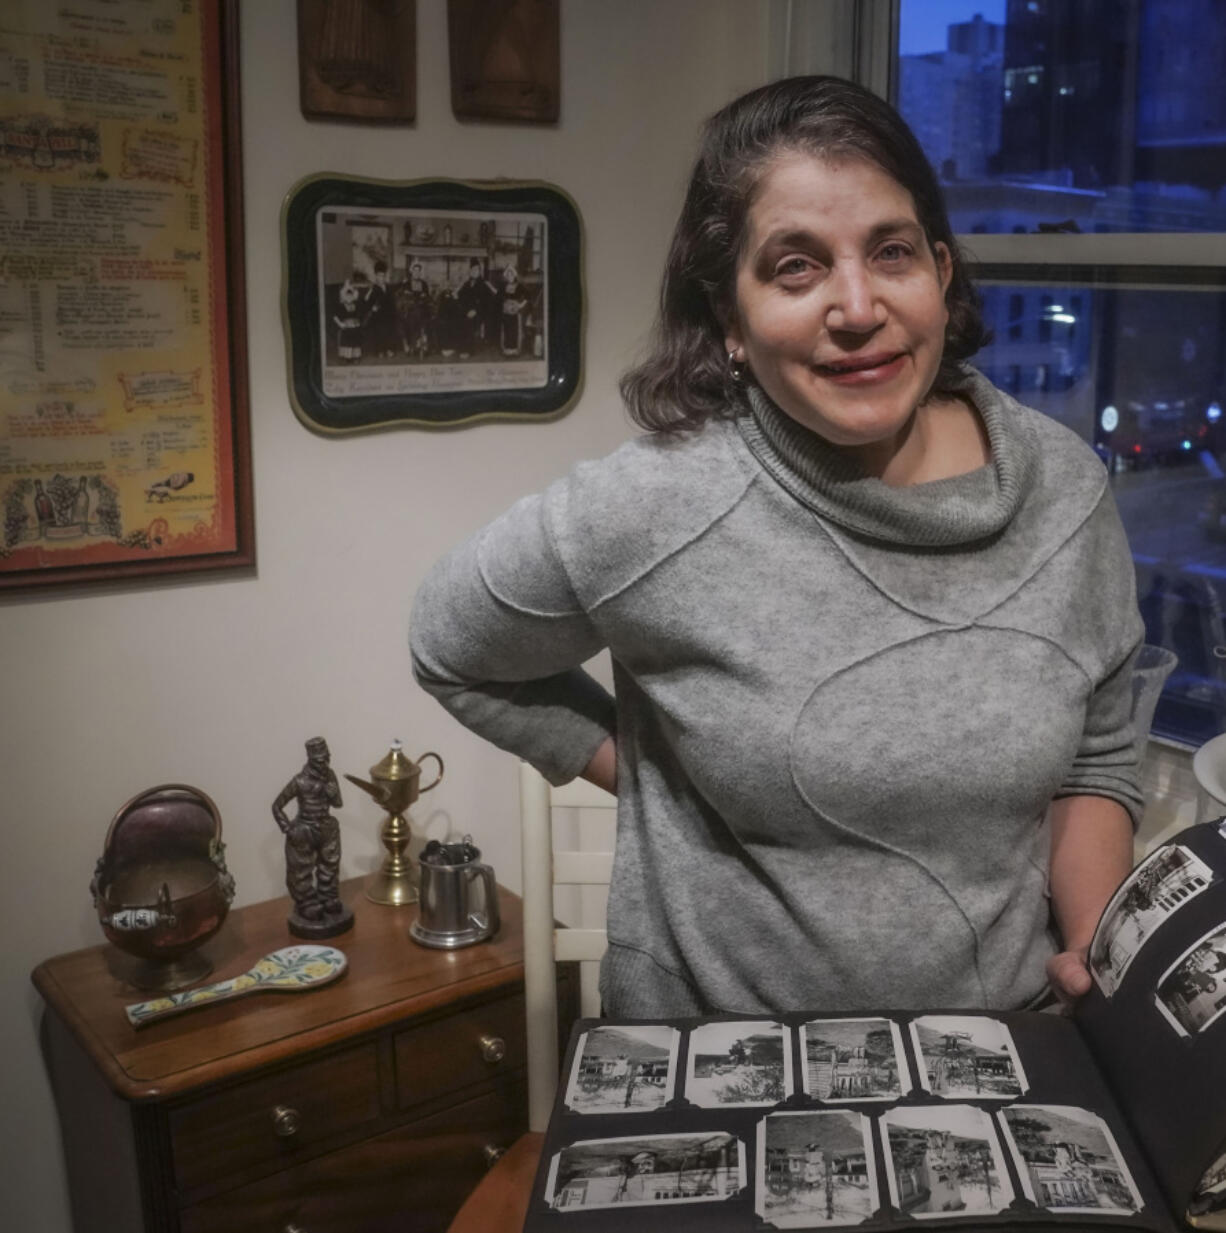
[{"x": 1113, "y": 1118}]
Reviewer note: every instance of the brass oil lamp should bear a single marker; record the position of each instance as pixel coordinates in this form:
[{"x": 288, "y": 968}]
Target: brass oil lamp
[{"x": 396, "y": 785}]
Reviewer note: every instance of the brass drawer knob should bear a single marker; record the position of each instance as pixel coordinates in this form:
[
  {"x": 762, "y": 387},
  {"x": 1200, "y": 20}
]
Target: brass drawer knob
[
  {"x": 492, "y": 1154},
  {"x": 286, "y": 1121},
  {"x": 493, "y": 1048}
]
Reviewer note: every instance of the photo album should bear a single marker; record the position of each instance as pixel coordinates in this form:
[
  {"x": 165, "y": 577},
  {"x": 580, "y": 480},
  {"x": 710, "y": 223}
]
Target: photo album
[{"x": 1112, "y": 1118}]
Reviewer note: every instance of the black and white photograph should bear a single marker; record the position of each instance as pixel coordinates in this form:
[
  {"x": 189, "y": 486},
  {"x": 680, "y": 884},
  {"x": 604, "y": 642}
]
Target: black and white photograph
[
  {"x": 1159, "y": 886},
  {"x": 1068, "y": 1160},
  {"x": 852, "y": 1059},
  {"x": 816, "y": 1169},
  {"x": 1192, "y": 991},
  {"x": 416, "y": 301},
  {"x": 964, "y": 1056},
  {"x": 746, "y": 1062},
  {"x": 944, "y": 1160},
  {"x": 430, "y": 303},
  {"x": 646, "y": 1170},
  {"x": 631, "y": 1068},
  {"x": 1210, "y": 1195}
]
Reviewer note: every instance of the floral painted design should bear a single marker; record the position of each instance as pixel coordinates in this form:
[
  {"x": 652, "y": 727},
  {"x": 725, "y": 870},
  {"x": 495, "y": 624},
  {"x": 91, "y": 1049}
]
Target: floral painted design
[{"x": 290, "y": 969}]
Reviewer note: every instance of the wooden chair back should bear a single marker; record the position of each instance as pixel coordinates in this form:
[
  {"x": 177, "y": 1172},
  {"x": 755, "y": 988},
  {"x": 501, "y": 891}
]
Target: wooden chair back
[{"x": 545, "y": 867}]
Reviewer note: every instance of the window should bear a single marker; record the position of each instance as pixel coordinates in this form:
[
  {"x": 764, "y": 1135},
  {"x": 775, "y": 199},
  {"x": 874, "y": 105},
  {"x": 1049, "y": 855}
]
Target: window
[
  {"x": 1085, "y": 116},
  {"x": 1017, "y": 308},
  {"x": 1082, "y": 148}
]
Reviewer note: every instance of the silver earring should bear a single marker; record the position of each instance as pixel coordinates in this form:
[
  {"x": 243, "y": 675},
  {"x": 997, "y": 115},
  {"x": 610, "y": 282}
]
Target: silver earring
[{"x": 736, "y": 368}]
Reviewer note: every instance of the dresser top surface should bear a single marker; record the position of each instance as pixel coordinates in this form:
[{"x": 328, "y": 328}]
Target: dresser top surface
[{"x": 388, "y": 978}]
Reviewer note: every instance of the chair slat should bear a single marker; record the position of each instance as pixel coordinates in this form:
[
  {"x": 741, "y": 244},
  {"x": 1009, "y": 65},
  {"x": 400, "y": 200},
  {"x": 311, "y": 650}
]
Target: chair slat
[
  {"x": 582, "y": 868},
  {"x": 573, "y": 944},
  {"x": 579, "y": 794},
  {"x": 542, "y": 943}
]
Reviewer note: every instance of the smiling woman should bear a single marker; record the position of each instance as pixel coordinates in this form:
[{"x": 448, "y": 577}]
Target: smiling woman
[
  {"x": 872, "y": 622},
  {"x": 840, "y": 315}
]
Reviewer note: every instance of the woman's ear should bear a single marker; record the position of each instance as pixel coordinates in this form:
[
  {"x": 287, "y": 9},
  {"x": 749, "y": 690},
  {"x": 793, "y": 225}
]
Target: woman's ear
[
  {"x": 733, "y": 343},
  {"x": 725, "y": 319},
  {"x": 945, "y": 264}
]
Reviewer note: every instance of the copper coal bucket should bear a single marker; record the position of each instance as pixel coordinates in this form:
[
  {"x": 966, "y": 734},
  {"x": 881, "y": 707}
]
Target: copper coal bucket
[{"x": 161, "y": 886}]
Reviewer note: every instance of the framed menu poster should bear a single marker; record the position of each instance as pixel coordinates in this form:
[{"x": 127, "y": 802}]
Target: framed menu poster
[{"x": 124, "y": 435}]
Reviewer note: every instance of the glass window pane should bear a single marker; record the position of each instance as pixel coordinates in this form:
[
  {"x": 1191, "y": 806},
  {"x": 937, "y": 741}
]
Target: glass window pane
[
  {"x": 1070, "y": 115},
  {"x": 1140, "y": 374}
]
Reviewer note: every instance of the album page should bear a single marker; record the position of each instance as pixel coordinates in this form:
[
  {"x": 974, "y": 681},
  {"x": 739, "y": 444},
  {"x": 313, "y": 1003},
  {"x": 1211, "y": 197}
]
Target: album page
[
  {"x": 1156, "y": 1017},
  {"x": 945, "y": 1119}
]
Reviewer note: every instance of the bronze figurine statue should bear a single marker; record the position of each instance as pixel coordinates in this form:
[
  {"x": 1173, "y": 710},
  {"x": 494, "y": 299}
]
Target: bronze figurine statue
[{"x": 313, "y": 847}]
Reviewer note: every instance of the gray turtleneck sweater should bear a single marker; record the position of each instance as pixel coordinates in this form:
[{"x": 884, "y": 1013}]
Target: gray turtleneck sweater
[{"x": 841, "y": 708}]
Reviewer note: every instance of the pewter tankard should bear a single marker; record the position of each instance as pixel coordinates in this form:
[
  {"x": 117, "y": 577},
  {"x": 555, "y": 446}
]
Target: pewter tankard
[{"x": 447, "y": 918}]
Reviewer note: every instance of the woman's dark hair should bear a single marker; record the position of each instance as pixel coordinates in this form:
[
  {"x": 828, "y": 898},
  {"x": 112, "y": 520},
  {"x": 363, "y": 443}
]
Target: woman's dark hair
[{"x": 686, "y": 378}]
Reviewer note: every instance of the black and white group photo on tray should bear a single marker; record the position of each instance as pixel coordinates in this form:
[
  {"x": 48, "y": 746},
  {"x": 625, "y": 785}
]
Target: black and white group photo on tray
[
  {"x": 416, "y": 301},
  {"x": 852, "y": 1059},
  {"x": 747, "y": 1062},
  {"x": 646, "y": 1170},
  {"x": 816, "y": 1168},
  {"x": 944, "y": 1160},
  {"x": 1192, "y": 991},
  {"x": 1068, "y": 1160},
  {"x": 1162, "y": 883},
  {"x": 624, "y": 1069},
  {"x": 964, "y": 1056}
]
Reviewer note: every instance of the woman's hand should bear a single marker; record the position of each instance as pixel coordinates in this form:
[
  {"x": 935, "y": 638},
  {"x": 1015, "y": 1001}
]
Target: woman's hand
[
  {"x": 1091, "y": 854},
  {"x": 1068, "y": 975},
  {"x": 602, "y": 769}
]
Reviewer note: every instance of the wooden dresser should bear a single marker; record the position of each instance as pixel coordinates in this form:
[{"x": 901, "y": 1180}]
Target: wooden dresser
[{"x": 375, "y": 1103}]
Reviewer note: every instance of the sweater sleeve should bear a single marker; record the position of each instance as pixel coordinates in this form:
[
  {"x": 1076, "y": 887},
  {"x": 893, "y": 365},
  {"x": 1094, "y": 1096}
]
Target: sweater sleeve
[
  {"x": 497, "y": 635},
  {"x": 1107, "y": 761}
]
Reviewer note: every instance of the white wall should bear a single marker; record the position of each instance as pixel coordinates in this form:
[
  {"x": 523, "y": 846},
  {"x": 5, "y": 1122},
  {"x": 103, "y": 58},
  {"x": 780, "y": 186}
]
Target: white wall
[{"x": 218, "y": 682}]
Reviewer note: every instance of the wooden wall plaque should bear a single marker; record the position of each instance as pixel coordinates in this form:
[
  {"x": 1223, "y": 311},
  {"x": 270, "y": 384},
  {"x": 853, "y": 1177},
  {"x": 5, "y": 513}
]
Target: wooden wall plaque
[
  {"x": 505, "y": 59},
  {"x": 357, "y": 60}
]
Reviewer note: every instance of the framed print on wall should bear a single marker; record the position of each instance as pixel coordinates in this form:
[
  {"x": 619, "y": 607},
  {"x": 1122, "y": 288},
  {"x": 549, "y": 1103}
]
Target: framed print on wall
[
  {"x": 124, "y": 436},
  {"x": 430, "y": 303}
]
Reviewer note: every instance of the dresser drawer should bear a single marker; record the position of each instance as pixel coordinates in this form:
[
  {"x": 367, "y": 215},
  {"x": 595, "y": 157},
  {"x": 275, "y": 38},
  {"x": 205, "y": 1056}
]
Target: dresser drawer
[
  {"x": 409, "y": 1180},
  {"x": 466, "y": 1047},
  {"x": 269, "y": 1119}
]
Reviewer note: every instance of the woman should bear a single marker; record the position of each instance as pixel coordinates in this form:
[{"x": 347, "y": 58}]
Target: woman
[
  {"x": 868, "y": 616},
  {"x": 348, "y": 322},
  {"x": 512, "y": 303},
  {"x": 415, "y": 312}
]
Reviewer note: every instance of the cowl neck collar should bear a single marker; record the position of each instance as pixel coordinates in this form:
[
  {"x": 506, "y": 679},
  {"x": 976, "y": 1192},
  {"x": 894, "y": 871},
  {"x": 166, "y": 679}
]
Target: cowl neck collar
[{"x": 941, "y": 514}]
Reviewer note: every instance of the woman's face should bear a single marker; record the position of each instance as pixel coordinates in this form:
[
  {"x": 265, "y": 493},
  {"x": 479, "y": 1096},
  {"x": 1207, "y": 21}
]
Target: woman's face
[{"x": 840, "y": 301}]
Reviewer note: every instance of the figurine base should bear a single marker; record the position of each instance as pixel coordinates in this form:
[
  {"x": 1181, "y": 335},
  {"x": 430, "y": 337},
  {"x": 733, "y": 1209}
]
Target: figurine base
[{"x": 328, "y": 927}]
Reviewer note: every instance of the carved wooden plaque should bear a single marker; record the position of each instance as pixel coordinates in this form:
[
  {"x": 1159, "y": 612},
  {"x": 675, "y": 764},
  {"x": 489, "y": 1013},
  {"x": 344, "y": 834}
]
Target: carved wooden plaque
[
  {"x": 357, "y": 60},
  {"x": 505, "y": 59}
]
